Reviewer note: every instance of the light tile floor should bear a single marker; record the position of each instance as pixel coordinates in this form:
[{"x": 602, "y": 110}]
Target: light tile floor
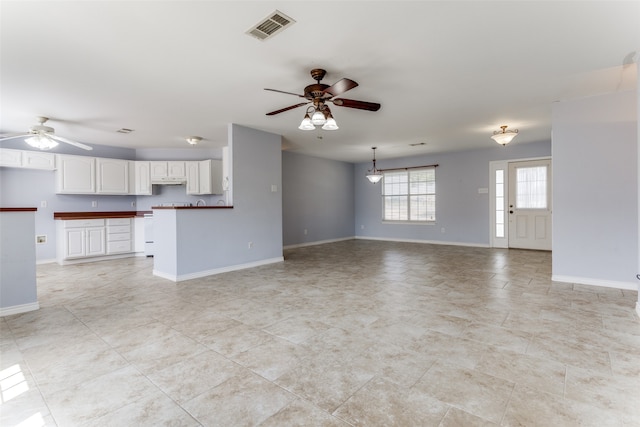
[{"x": 350, "y": 333}]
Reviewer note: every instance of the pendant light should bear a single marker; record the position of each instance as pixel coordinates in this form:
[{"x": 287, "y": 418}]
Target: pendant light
[
  {"x": 505, "y": 136},
  {"x": 374, "y": 175}
]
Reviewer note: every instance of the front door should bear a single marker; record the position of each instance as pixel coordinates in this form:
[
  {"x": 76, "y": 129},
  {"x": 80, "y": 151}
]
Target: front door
[{"x": 530, "y": 204}]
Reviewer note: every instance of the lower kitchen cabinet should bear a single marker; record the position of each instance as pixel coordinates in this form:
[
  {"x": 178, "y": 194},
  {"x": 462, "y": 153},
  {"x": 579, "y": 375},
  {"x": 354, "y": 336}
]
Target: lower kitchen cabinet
[
  {"x": 119, "y": 239},
  {"x": 81, "y": 238}
]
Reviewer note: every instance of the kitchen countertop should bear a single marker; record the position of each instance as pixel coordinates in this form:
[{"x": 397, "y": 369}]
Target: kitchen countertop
[
  {"x": 18, "y": 209},
  {"x": 99, "y": 215}
]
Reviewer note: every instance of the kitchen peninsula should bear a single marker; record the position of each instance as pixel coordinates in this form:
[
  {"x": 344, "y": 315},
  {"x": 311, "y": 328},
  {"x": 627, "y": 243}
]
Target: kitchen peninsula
[{"x": 198, "y": 241}]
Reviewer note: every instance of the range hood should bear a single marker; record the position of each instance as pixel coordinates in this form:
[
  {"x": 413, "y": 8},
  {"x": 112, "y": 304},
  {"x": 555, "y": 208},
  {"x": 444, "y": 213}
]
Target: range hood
[{"x": 169, "y": 180}]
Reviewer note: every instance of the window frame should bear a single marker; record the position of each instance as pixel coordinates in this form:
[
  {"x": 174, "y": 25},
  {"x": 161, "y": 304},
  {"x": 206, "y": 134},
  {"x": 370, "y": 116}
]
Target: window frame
[{"x": 430, "y": 196}]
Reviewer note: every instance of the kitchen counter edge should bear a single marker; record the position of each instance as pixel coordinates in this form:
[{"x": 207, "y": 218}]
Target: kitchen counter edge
[{"x": 99, "y": 215}]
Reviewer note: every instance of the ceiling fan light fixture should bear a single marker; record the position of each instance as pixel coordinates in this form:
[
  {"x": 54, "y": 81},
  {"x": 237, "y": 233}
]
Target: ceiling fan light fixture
[
  {"x": 504, "y": 136},
  {"x": 306, "y": 123},
  {"x": 318, "y": 118},
  {"x": 330, "y": 124},
  {"x": 41, "y": 142},
  {"x": 374, "y": 175}
]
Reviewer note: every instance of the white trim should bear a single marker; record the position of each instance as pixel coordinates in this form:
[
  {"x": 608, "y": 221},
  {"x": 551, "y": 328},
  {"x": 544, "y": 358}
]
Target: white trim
[
  {"x": 214, "y": 271},
  {"x": 318, "y": 242},
  {"x": 96, "y": 258},
  {"x": 630, "y": 286},
  {"x": 17, "y": 309},
  {"x": 638, "y": 308},
  {"x": 429, "y": 242},
  {"x": 45, "y": 261}
]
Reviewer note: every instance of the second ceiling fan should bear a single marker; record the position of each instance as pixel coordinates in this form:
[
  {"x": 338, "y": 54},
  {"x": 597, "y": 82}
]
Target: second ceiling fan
[{"x": 318, "y": 95}]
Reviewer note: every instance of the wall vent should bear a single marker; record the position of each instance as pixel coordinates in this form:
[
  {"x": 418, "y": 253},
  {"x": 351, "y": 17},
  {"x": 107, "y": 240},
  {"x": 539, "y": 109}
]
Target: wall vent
[{"x": 270, "y": 26}]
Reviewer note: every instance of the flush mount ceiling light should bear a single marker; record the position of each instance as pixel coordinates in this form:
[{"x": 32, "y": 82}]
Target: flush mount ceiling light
[
  {"x": 504, "y": 136},
  {"x": 193, "y": 140},
  {"x": 320, "y": 116},
  {"x": 374, "y": 175}
]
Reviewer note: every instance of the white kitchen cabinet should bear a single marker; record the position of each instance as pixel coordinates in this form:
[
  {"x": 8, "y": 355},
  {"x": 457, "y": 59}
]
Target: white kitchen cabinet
[
  {"x": 170, "y": 169},
  {"x": 140, "y": 178},
  {"x": 75, "y": 174},
  {"x": 38, "y": 160},
  {"x": 81, "y": 238},
  {"x": 193, "y": 177},
  {"x": 119, "y": 236},
  {"x": 10, "y": 158},
  {"x": 27, "y": 159},
  {"x": 112, "y": 176},
  {"x": 204, "y": 177}
]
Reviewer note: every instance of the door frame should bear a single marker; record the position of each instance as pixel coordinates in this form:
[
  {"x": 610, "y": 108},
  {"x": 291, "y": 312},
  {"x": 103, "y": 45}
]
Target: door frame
[{"x": 503, "y": 242}]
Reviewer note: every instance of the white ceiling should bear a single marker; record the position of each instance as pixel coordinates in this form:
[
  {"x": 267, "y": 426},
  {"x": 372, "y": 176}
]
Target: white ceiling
[{"x": 447, "y": 73}]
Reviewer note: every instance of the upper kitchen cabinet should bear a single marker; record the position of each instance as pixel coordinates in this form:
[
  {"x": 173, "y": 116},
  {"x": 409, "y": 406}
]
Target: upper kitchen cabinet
[
  {"x": 204, "y": 177},
  {"x": 168, "y": 171},
  {"x": 27, "y": 159},
  {"x": 75, "y": 174},
  {"x": 140, "y": 178},
  {"x": 112, "y": 176}
]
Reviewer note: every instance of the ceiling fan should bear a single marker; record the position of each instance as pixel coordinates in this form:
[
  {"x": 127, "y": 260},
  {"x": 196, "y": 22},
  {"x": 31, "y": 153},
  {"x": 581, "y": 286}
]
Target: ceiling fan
[
  {"x": 318, "y": 95},
  {"x": 43, "y": 137}
]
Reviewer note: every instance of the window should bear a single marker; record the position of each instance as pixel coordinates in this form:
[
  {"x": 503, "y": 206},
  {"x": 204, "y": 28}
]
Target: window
[
  {"x": 409, "y": 195},
  {"x": 531, "y": 187}
]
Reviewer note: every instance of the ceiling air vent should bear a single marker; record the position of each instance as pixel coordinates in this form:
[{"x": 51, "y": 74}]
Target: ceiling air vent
[{"x": 270, "y": 26}]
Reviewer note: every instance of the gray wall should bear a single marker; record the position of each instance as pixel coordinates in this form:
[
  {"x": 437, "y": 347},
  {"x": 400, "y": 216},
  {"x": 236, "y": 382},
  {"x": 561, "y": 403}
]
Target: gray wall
[
  {"x": 317, "y": 196},
  {"x": 17, "y": 262},
  {"x": 461, "y": 211},
  {"x": 595, "y": 191},
  {"x": 208, "y": 241}
]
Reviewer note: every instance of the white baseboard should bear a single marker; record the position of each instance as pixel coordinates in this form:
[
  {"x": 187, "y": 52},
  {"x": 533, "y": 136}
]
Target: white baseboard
[
  {"x": 198, "y": 274},
  {"x": 17, "y": 309},
  {"x": 630, "y": 286},
  {"x": 429, "y": 242},
  {"x": 318, "y": 242},
  {"x": 96, "y": 258}
]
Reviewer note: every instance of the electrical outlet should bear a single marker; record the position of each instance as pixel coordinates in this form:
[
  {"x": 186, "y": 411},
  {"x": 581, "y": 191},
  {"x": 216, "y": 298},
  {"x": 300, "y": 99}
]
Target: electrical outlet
[
  {"x": 133, "y": 204},
  {"x": 250, "y": 245},
  {"x": 305, "y": 231},
  {"x": 362, "y": 227},
  {"x": 442, "y": 230},
  {"x": 41, "y": 239},
  {"x": 43, "y": 204},
  {"x": 94, "y": 203}
]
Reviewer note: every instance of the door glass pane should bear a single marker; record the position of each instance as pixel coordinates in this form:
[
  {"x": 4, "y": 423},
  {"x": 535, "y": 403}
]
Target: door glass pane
[
  {"x": 531, "y": 187},
  {"x": 499, "y": 203}
]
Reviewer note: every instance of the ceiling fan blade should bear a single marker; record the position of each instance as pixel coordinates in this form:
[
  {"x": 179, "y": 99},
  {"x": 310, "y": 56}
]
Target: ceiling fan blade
[
  {"x": 68, "y": 141},
  {"x": 14, "y": 135},
  {"x": 340, "y": 87},
  {"x": 282, "y": 110},
  {"x": 288, "y": 93},
  {"x": 352, "y": 103}
]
